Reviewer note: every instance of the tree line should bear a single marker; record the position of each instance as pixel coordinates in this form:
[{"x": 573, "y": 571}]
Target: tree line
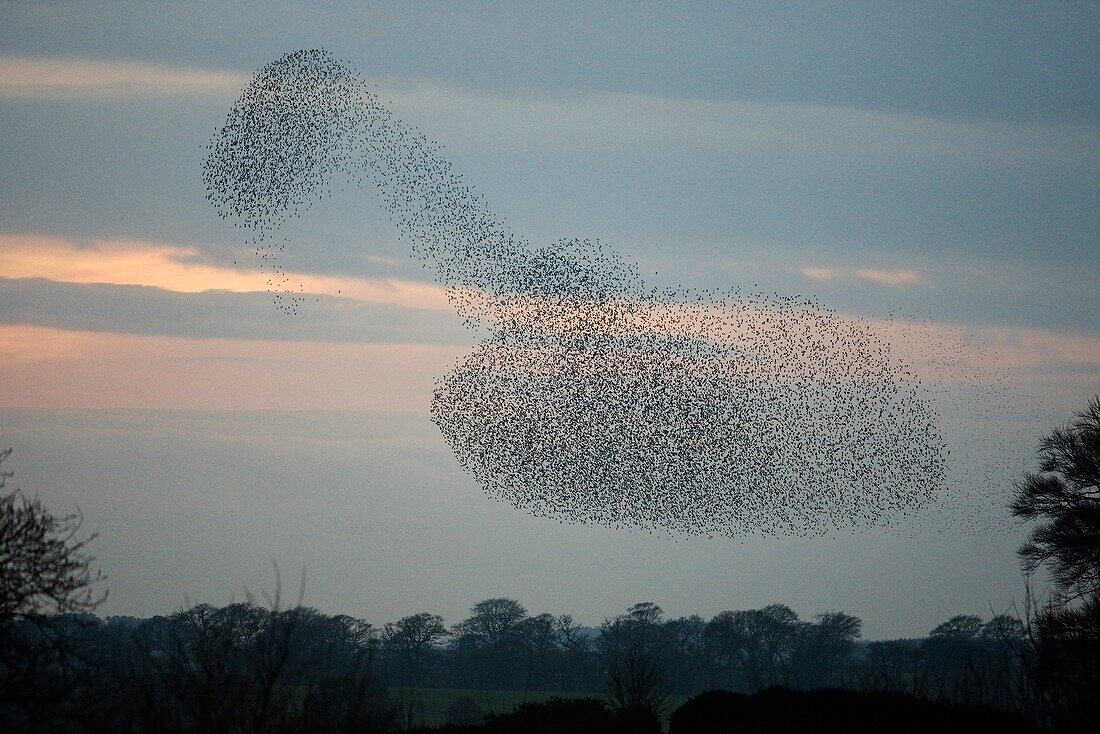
[{"x": 209, "y": 664}]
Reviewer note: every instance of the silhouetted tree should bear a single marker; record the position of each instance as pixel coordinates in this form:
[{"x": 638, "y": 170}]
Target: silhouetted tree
[
  {"x": 44, "y": 568},
  {"x": 635, "y": 678},
  {"x": 960, "y": 627},
  {"x": 645, "y": 614},
  {"x": 538, "y": 636},
  {"x": 637, "y": 630},
  {"x": 411, "y": 644},
  {"x": 492, "y": 622},
  {"x": 823, "y": 650},
  {"x": 250, "y": 669},
  {"x": 578, "y": 669},
  {"x": 636, "y": 685},
  {"x": 891, "y": 665},
  {"x": 685, "y": 653},
  {"x": 950, "y": 653},
  {"x": 47, "y": 582},
  {"x": 1062, "y": 501},
  {"x": 1066, "y": 664},
  {"x": 489, "y": 639},
  {"x": 753, "y": 645}
]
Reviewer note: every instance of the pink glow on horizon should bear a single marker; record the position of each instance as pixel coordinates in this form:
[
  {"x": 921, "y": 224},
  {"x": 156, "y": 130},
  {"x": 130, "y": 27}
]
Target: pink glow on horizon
[{"x": 60, "y": 369}]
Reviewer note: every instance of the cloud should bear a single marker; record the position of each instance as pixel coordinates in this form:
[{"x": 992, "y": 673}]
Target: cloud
[
  {"x": 779, "y": 127},
  {"x": 183, "y": 269},
  {"x": 894, "y": 278},
  {"x": 784, "y": 128},
  {"x": 53, "y": 78},
  {"x": 1045, "y": 349},
  {"x": 815, "y": 273},
  {"x": 219, "y": 314}
]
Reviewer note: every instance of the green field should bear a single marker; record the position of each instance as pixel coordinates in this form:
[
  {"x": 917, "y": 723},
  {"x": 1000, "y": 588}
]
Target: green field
[{"x": 432, "y": 703}]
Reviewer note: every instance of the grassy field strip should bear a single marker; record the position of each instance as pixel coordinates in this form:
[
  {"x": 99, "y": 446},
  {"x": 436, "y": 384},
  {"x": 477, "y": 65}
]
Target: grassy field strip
[{"x": 436, "y": 701}]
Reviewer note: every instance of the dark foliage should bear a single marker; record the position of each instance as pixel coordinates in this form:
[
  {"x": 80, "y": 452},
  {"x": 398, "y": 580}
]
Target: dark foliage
[
  {"x": 45, "y": 571},
  {"x": 1066, "y": 665},
  {"x": 465, "y": 711},
  {"x": 561, "y": 716},
  {"x": 243, "y": 667},
  {"x": 411, "y": 643},
  {"x": 45, "y": 567},
  {"x": 1063, "y": 501},
  {"x": 781, "y": 710}
]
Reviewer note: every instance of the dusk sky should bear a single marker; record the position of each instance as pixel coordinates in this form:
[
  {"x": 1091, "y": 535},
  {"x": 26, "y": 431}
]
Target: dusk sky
[{"x": 937, "y": 161}]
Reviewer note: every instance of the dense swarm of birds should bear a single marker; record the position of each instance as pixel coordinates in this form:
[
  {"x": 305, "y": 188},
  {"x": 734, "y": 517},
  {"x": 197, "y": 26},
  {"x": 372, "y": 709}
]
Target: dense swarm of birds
[{"x": 590, "y": 396}]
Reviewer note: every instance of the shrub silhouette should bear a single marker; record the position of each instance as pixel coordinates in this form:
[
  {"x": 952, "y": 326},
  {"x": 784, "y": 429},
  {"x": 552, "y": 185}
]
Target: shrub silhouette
[
  {"x": 559, "y": 716},
  {"x": 464, "y": 712},
  {"x": 553, "y": 716},
  {"x": 825, "y": 711}
]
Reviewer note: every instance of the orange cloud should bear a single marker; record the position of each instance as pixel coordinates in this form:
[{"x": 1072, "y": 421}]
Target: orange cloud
[
  {"x": 25, "y": 77},
  {"x": 182, "y": 269},
  {"x": 815, "y": 273},
  {"x": 892, "y": 278}
]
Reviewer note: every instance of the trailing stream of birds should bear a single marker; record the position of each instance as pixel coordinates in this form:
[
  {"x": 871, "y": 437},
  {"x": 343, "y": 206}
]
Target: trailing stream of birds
[{"x": 590, "y": 396}]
